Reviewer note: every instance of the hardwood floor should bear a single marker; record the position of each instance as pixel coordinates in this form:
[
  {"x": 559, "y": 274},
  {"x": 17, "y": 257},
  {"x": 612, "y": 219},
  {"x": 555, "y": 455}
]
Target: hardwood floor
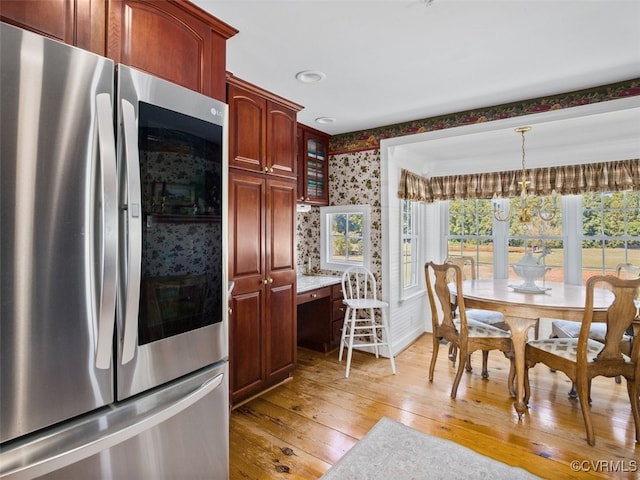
[{"x": 298, "y": 430}]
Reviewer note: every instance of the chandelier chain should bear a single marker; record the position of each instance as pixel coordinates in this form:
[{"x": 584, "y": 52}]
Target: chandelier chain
[{"x": 526, "y": 211}]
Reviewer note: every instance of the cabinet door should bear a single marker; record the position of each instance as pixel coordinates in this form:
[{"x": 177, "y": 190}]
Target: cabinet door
[
  {"x": 247, "y": 199},
  {"x": 247, "y": 129},
  {"x": 301, "y": 163},
  {"x": 281, "y": 297},
  {"x": 172, "y": 40},
  {"x": 313, "y": 166},
  {"x": 81, "y": 24},
  {"x": 281, "y": 140},
  {"x": 246, "y": 350},
  {"x": 262, "y": 325}
]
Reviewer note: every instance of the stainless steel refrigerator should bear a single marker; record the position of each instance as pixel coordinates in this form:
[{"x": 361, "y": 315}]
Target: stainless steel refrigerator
[{"x": 113, "y": 287}]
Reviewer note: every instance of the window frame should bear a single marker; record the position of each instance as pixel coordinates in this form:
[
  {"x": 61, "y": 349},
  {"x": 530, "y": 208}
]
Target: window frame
[
  {"x": 409, "y": 290},
  {"x": 603, "y": 237},
  {"x": 476, "y": 238},
  {"x": 326, "y": 260}
]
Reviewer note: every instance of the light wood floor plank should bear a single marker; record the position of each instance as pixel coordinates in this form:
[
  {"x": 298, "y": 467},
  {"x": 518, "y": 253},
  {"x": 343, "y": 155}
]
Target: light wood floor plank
[{"x": 319, "y": 415}]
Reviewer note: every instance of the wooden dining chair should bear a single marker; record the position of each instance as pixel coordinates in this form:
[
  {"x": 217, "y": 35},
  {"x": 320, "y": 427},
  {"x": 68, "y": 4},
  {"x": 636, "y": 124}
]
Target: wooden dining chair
[
  {"x": 490, "y": 317},
  {"x": 598, "y": 331},
  {"x": 467, "y": 265},
  {"x": 467, "y": 335},
  {"x": 582, "y": 358}
]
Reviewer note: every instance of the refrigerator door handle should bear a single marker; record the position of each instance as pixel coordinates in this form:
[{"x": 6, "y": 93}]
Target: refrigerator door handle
[
  {"x": 89, "y": 438},
  {"x": 134, "y": 232},
  {"x": 109, "y": 229}
]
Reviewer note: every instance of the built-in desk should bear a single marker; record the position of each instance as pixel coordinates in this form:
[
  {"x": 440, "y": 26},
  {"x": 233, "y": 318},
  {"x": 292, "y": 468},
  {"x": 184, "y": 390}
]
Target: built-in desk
[{"x": 320, "y": 312}]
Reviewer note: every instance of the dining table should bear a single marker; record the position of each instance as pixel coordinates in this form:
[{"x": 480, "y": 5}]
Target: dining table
[{"x": 523, "y": 310}]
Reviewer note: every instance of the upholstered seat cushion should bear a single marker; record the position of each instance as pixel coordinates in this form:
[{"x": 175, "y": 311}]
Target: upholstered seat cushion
[
  {"x": 568, "y": 348},
  {"x": 481, "y": 329},
  {"x": 566, "y": 328},
  {"x": 490, "y": 317},
  {"x": 485, "y": 316}
]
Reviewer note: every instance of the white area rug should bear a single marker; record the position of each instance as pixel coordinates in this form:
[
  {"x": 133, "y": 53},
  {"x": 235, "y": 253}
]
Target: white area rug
[{"x": 391, "y": 450}]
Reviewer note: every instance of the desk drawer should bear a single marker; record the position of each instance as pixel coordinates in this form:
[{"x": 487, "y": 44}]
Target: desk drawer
[{"x": 313, "y": 295}]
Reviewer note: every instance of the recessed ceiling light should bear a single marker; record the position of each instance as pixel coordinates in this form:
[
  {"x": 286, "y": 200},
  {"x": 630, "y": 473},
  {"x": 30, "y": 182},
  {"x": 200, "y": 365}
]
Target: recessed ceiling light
[
  {"x": 310, "y": 76},
  {"x": 325, "y": 120}
]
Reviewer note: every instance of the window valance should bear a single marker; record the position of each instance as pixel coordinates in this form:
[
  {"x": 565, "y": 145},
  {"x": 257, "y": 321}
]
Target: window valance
[{"x": 569, "y": 179}]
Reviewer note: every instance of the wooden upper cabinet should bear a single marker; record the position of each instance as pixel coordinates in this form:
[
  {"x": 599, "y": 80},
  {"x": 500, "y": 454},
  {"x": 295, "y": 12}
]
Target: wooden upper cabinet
[
  {"x": 281, "y": 140},
  {"x": 262, "y": 130},
  {"x": 172, "y": 39},
  {"x": 78, "y": 23},
  {"x": 247, "y": 129},
  {"x": 313, "y": 166}
]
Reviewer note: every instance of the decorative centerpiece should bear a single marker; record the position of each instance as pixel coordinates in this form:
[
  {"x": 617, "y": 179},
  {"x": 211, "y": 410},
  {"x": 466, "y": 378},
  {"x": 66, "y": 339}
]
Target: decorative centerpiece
[{"x": 530, "y": 269}]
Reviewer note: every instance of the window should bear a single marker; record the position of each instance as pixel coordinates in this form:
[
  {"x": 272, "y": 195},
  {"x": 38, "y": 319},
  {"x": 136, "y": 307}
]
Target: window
[
  {"x": 345, "y": 237},
  {"x": 590, "y": 235},
  {"x": 409, "y": 245},
  {"x": 610, "y": 231},
  {"x": 471, "y": 233}
]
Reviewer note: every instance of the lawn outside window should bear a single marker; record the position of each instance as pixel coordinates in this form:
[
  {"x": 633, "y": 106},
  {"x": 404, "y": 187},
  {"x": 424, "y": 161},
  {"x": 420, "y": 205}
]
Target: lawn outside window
[{"x": 345, "y": 237}]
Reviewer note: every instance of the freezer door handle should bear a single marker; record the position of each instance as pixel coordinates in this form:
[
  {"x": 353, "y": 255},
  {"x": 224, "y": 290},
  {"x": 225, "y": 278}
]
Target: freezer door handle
[
  {"x": 134, "y": 232},
  {"x": 52, "y": 452},
  {"x": 108, "y": 248}
]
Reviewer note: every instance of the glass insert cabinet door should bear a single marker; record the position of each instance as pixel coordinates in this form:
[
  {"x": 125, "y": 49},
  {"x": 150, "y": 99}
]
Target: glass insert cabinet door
[
  {"x": 313, "y": 166},
  {"x": 316, "y": 180},
  {"x": 181, "y": 181}
]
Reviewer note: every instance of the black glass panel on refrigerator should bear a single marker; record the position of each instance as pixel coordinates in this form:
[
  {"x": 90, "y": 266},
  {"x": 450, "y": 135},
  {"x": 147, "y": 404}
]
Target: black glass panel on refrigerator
[{"x": 181, "y": 177}]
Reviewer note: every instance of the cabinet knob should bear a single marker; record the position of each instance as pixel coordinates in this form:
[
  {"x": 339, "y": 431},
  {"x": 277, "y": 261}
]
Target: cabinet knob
[
  {"x": 266, "y": 169},
  {"x": 271, "y": 170},
  {"x": 230, "y": 311},
  {"x": 265, "y": 281},
  {"x": 270, "y": 280},
  {"x": 314, "y": 295}
]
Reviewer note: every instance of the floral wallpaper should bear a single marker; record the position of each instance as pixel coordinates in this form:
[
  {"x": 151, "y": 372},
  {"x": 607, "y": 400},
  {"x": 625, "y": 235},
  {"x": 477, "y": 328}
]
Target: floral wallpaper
[
  {"x": 370, "y": 139},
  {"x": 354, "y": 179},
  {"x": 308, "y": 232}
]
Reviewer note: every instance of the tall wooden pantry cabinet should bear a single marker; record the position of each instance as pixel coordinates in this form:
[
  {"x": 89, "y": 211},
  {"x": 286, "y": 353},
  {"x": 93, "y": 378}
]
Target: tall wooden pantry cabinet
[{"x": 262, "y": 233}]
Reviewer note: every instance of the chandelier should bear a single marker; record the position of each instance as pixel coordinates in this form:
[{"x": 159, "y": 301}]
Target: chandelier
[{"x": 526, "y": 210}]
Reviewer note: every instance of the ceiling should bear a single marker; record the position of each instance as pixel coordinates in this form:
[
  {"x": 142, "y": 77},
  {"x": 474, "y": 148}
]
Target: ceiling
[
  {"x": 591, "y": 133},
  {"x": 387, "y": 62}
]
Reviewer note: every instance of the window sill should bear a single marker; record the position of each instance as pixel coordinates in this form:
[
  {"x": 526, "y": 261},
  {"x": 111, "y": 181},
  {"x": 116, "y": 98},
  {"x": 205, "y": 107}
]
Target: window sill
[{"x": 411, "y": 296}]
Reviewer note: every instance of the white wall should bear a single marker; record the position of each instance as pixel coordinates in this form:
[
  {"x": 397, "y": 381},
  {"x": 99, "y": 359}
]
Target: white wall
[{"x": 408, "y": 318}]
